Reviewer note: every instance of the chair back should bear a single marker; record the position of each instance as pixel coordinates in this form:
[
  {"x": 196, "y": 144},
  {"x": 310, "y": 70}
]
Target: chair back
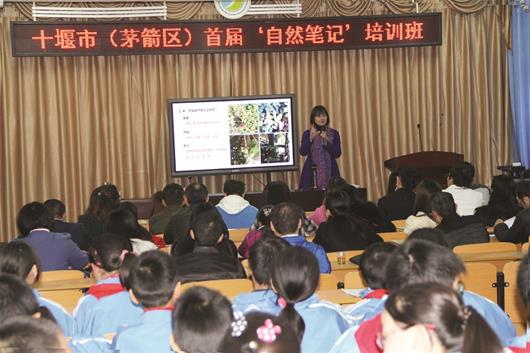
[
  {"x": 68, "y": 298},
  {"x": 485, "y": 248},
  {"x": 354, "y": 280},
  {"x": 480, "y": 278},
  {"x": 328, "y": 281},
  {"x": 525, "y": 248},
  {"x": 59, "y": 275}
]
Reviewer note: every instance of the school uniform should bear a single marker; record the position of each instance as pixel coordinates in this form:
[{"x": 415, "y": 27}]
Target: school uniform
[
  {"x": 520, "y": 344},
  {"x": 324, "y": 324},
  {"x": 372, "y": 303},
  {"x": 60, "y": 314},
  {"x": 105, "y": 308},
  {"x": 90, "y": 345},
  {"x": 317, "y": 250},
  {"x": 263, "y": 300},
  {"x": 151, "y": 334}
]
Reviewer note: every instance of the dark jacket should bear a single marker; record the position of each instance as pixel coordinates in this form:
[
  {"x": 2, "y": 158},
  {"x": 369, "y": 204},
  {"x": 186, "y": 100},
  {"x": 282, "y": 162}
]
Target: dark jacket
[
  {"x": 207, "y": 263},
  {"x": 463, "y": 230},
  {"x": 159, "y": 221},
  {"x": 520, "y": 230},
  {"x": 178, "y": 227},
  {"x": 94, "y": 226},
  {"x": 370, "y": 213},
  {"x": 397, "y": 205},
  {"x": 77, "y": 232},
  {"x": 341, "y": 233}
]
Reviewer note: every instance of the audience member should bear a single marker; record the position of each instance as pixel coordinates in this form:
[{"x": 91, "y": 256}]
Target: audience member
[
  {"x": 173, "y": 199},
  {"x": 469, "y": 171},
  {"x": 343, "y": 231},
  {"x": 459, "y": 181},
  {"x": 286, "y": 222},
  {"x": 56, "y": 251},
  {"x": 200, "y": 321},
  {"x": 373, "y": 266},
  {"x": 368, "y": 211},
  {"x": 433, "y": 235},
  {"x": 295, "y": 278},
  {"x": 260, "y": 333},
  {"x": 399, "y": 204},
  {"x": 107, "y": 304},
  {"x": 520, "y": 229},
  {"x": 18, "y": 259},
  {"x": 431, "y": 318},
  {"x": 206, "y": 262},
  {"x": 502, "y": 203},
  {"x": 17, "y": 299},
  {"x": 154, "y": 286},
  {"x": 103, "y": 200},
  {"x": 420, "y": 217},
  {"x": 77, "y": 231},
  {"x": 235, "y": 210},
  {"x": 261, "y": 229},
  {"x": 22, "y": 334},
  {"x": 123, "y": 223},
  {"x": 261, "y": 262},
  {"x": 420, "y": 261},
  {"x": 335, "y": 183},
  {"x": 158, "y": 203},
  {"x": 458, "y": 230}
]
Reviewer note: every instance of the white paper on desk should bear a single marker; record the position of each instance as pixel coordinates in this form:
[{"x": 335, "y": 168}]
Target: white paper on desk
[
  {"x": 509, "y": 222},
  {"x": 354, "y": 292}
]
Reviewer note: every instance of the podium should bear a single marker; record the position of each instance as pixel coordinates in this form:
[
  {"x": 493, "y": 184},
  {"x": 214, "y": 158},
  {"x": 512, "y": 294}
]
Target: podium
[{"x": 431, "y": 165}]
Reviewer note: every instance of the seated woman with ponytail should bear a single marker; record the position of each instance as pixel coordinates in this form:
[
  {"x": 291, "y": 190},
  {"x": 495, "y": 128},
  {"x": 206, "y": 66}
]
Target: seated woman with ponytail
[
  {"x": 20, "y": 260},
  {"x": 295, "y": 278},
  {"x": 107, "y": 304},
  {"x": 432, "y": 318}
]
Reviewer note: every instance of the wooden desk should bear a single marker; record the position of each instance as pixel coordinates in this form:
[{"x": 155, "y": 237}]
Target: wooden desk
[
  {"x": 337, "y": 296},
  {"x": 498, "y": 259},
  {"x": 399, "y": 224},
  {"x": 69, "y": 284}
]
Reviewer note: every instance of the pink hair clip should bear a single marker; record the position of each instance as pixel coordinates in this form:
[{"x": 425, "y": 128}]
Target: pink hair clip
[
  {"x": 282, "y": 303},
  {"x": 268, "y": 332}
]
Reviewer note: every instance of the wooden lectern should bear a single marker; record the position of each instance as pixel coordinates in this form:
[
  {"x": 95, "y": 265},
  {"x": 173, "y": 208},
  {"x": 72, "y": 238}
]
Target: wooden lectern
[{"x": 431, "y": 165}]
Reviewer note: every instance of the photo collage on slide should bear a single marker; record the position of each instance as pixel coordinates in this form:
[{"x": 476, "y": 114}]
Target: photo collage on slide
[{"x": 259, "y": 133}]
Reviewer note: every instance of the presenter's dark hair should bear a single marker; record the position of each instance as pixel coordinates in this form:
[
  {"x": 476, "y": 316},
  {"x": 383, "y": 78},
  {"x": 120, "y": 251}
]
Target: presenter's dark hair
[
  {"x": 207, "y": 224},
  {"x": 152, "y": 278},
  {"x": 32, "y": 216},
  {"x": 444, "y": 204},
  {"x": 459, "y": 328},
  {"x": 418, "y": 261},
  {"x": 196, "y": 193},
  {"x": 523, "y": 280},
  {"x": 55, "y": 207},
  {"x": 200, "y": 320},
  {"x": 234, "y": 187},
  {"x": 103, "y": 200},
  {"x": 276, "y": 192},
  {"x": 295, "y": 278},
  {"x": 25, "y": 334},
  {"x": 262, "y": 257},
  {"x": 374, "y": 262},
  {"x": 286, "y": 217},
  {"x": 425, "y": 191},
  {"x": 173, "y": 194},
  {"x": 317, "y": 111},
  {"x": 18, "y": 258}
]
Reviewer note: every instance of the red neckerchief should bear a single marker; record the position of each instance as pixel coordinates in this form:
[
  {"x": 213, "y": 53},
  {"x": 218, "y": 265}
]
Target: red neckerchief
[
  {"x": 105, "y": 289},
  {"x": 376, "y": 294},
  {"x": 169, "y": 308},
  {"x": 366, "y": 335},
  {"x": 518, "y": 349}
]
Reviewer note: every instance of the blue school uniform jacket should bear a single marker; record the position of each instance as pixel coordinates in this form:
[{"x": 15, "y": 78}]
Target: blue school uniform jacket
[
  {"x": 96, "y": 317},
  {"x": 372, "y": 303},
  {"x": 61, "y": 315},
  {"x": 258, "y": 300},
  {"x": 324, "y": 324},
  {"x": 317, "y": 250},
  {"x": 491, "y": 312},
  {"x": 150, "y": 335},
  {"x": 90, "y": 345}
]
